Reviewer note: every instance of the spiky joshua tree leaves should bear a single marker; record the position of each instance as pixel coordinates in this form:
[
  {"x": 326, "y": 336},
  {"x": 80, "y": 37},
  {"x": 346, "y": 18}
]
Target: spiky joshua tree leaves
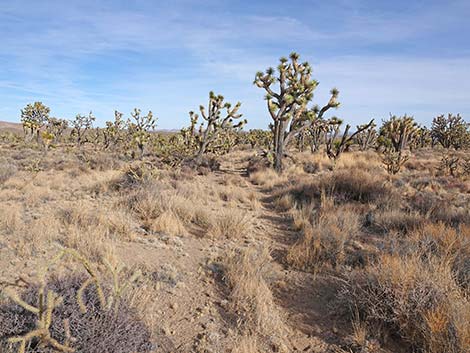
[
  {"x": 451, "y": 131},
  {"x": 396, "y": 135},
  {"x": 80, "y": 125},
  {"x": 288, "y": 104},
  {"x": 33, "y": 118},
  {"x": 140, "y": 127},
  {"x": 219, "y": 119},
  {"x": 113, "y": 132}
]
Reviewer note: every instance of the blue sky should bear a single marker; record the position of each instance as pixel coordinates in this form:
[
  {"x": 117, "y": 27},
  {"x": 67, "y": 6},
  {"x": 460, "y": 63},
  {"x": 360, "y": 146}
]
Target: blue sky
[{"x": 384, "y": 56}]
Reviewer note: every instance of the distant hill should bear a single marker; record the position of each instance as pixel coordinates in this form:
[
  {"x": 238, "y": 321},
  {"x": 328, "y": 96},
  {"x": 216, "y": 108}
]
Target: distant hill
[
  {"x": 12, "y": 127},
  {"x": 17, "y": 128}
]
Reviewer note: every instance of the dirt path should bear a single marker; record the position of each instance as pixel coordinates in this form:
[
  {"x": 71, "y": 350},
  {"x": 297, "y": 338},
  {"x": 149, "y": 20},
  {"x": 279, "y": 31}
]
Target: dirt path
[{"x": 304, "y": 298}]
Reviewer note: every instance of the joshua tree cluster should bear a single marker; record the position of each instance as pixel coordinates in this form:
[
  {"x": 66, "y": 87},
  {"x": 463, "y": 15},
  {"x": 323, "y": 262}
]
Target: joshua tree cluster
[{"x": 217, "y": 128}]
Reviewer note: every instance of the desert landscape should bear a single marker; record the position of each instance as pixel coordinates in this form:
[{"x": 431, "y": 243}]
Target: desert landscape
[
  {"x": 234, "y": 176},
  {"x": 308, "y": 236}
]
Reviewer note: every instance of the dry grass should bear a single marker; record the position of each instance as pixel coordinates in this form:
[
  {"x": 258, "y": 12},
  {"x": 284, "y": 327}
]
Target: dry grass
[
  {"x": 246, "y": 344},
  {"x": 251, "y": 300},
  {"x": 417, "y": 293},
  {"x": 398, "y": 244},
  {"x": 267, "y": 178},
  {"x": 230, "y": 223},
  {"x": 324, "y": 238}
]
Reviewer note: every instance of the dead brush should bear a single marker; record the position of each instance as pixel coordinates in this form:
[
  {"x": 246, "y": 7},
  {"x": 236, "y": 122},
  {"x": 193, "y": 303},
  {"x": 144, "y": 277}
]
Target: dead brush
[
  {"x": 415, "y": 295},
  {"x": 72, "y": 314},
  {"x": 230, "y": 223},
  {"x": 246, "y": 272},
  {"x": 324, "y": 239}
]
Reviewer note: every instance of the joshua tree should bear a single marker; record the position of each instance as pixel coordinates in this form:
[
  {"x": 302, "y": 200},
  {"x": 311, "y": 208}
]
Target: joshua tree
[
  {"x": 422, "y": 138},
  {"x": 56, "y": 128},
  {"x": 288, "y": 105},
  {"x": 33, "y": 118},
  {"x": 452, "y": 131},
  {"x": 396, "y": 134},
  {"x": 335, "y": 146},
  {"x": 80, "y": 125},
  {"x": 366, "y": 137},
  {"x": 113, "y": 132},
  {"x": 219, "y": 117},
  {"x": 317, "y": 131},
  {"x": 259, "y": 138},
  {"x": 140, "y": 127}
]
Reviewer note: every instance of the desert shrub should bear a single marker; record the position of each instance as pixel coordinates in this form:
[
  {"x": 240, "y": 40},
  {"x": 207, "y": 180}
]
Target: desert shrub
[
  {"x": 7, "y": 170},
  {"x": 204, "y": 166},
  {"x": 266, "y": 178},
  {"x": 246, "y": 272},
  {"x": 417, "y": 300},
  {"x": 134, "y": 175},
  {"x": 439, "y": 209},
  {"x": 162, "y": 208},
  {"x": 357, "y": 185},
  {"x": 443, "y": 241},
  {"x": 389, "y": 220},
  {"x": 96, "y": 330},
  {"x": 418, "y": 292},
  {"x": 230, "y": 223},
  {"x": 257, "y": 163},
  {"x": 346, "y": 185},
  {"x": 323, "y": 241}
]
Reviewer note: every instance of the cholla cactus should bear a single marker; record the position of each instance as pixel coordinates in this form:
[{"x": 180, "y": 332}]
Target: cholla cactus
[
  {"x": 367, "y": 137},
  {"x": 288, "y": 106},
  {"x": 140, "y": 127},
  {"x": 335, "y": 146},
  {"x": 33, "y": 118},
  {"x": 396, "y": 135},
  {"x": 452, "y": 131},
  {"x": 48, "y": 300},
  {"x": 80, "y": 125},
  {"x": 216, "y": 123}
]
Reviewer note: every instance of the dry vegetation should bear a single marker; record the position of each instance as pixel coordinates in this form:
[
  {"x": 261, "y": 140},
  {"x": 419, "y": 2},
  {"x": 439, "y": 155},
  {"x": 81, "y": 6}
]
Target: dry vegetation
[{"x": 330, "y": 256}]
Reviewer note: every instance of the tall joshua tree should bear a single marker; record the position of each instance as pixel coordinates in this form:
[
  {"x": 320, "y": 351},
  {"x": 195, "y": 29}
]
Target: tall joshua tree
[
  {"x": 288, "y": 104},
  {"x": 220, "y": 116},
  {"x": 33, "y": 118}
]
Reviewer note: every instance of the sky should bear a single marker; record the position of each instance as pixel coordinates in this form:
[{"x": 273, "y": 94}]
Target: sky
[{"x": 399, "y": 57}]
